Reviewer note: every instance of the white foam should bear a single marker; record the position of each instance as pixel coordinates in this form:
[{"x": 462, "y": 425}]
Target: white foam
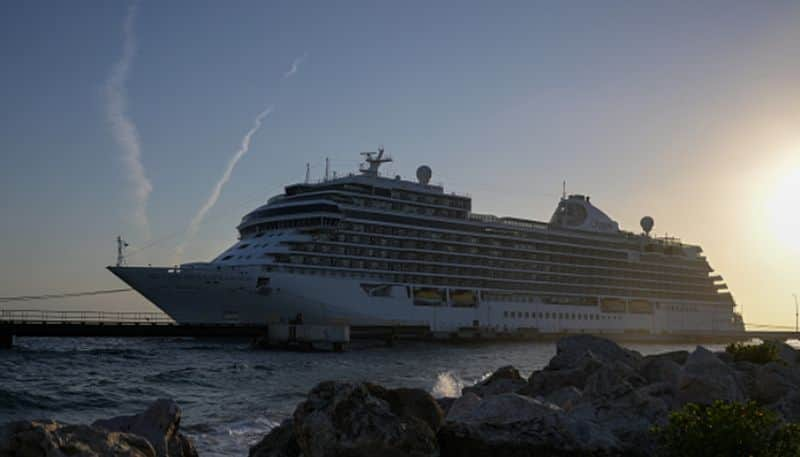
[{"x": 448, "y": 384}]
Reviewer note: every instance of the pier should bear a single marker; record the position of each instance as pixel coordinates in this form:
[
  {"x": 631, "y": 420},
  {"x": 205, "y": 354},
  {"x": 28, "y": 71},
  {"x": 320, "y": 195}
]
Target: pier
[{"x": 42, "y": 323}]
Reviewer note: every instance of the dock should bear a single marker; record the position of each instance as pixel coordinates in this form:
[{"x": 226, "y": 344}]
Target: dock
[
  {"x": 334, "y": 336},
  {"x": 47, "y": 323}
]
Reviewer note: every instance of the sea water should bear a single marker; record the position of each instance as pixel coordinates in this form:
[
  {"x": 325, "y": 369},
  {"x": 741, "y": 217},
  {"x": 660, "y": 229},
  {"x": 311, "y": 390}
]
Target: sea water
[{"x": 230, "y": 394}]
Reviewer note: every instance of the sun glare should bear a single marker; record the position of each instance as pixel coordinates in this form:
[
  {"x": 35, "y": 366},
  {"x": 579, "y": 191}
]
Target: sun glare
[{"x": 783, "y": 208}]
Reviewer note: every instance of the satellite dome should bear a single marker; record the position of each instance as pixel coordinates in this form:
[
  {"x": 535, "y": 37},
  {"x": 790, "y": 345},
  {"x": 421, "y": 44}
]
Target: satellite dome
[
  {"x": 424, "y": 174},
  {"x": 647, "y": 224}
]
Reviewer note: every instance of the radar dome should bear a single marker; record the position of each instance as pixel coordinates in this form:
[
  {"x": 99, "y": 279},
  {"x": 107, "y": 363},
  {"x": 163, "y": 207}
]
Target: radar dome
[
  {"x": 424, "y": 174},
  {"x": 647, "y": 224}
]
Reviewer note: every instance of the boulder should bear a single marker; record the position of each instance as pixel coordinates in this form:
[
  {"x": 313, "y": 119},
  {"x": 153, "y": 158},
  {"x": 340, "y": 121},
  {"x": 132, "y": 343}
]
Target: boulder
[
  {"x": 678, "y": 357},
  {"x": 411, "y": 403},
  {"x": 660, "y": 369},
  {"x": 787, "y": 353},
  {"x": 463, "y": 406},
  {"x": 549, "y": 380},
  {"x": 279, "y": 442},
  {"x": 788, "y": 407},
  {"x": 515, "y": 425},
  {"x": 445, "y": 403},
  {"x": 773, "y": 381},
  {"x": 705, "y": 378},
  {"x": 608, "y": 381},
  {"x": 159, "y": 424},
  {"x": 504, "y": 380},
  {"x": 629, "y": 417},
  {"x": 48, "y": 438},
  {"x": 565, "y": 397},
  {"x": 570, "y": 351},
  {"x": 361, "y": 419}
]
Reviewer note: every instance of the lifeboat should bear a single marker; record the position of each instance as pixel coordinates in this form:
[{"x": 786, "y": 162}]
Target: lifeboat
[{"x": 464, "y": 298}]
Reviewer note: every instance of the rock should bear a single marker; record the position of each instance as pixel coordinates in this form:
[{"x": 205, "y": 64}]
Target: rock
[
  {"x": 725, "y": 356},
  {"x": 705, "y": 378},
  {"x": 787, "y": 353},
  {"x": 629, "y": 417},
  {"x": 678, "y": 357},
  {"x": 788, "y": 407},
  {"x": 772, "y": 381},
  {"x": 570, "y": 350},
  {"x": 46, "y": 439},
  {"x": 547, "y": 381},
  {"x": 279, "y": 442},
  {"x": 515, "y": 425},
  {"x": 411, "y": 403},
  {"x": 361, "y": 419},
  {"x": 608, "y": 382},
  {"x": 445, "y": 403},
  {"x": 159, "y": 424},
  {"x": 565, "y": 397},
  {"x": 463, "y": 406},
  {"x": 660, "y": 369},
  {"x": 504, "y": 380}
]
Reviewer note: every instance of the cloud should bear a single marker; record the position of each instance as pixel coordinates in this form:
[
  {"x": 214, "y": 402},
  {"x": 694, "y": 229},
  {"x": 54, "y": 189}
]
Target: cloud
[
  {"x": 198, "y": 218},
  {"x": 123, "y": 128},
  {"x": 295, "y": 66}
]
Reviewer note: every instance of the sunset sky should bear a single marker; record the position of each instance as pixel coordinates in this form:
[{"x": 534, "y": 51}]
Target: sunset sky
[{"x": 688, "y": 112}]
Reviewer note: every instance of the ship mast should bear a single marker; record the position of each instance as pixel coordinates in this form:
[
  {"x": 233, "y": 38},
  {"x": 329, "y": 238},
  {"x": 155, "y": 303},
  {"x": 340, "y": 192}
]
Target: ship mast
[
  {"x": 121, "y": 245},
  {"x": 374, "y": 162}
]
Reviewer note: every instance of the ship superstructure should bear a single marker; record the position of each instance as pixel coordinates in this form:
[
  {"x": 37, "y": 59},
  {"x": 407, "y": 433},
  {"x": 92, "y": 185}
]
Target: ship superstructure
[{"x": 367, "y": 249}]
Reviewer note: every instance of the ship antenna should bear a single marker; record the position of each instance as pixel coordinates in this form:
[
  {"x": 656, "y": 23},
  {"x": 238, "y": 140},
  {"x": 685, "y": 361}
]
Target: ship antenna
[
  {"x": 327, "y": 168},
  {"x": 564, "y": 190},
  {"x": 308, "y": 172},
  {"x": 374, "y": 162},
  {"x": 121, "y": 245}
]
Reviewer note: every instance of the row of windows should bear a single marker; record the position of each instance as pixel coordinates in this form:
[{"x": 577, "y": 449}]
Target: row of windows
[
  {"x": 510, "y": 248},
  {"x": 434, "y": 252},
  {"x": 482, "y": 241},
  {"x": 560, "y": 316},
  {"x": 482, "y": 281},
  {"x": 309, "y": 222},
  {"x": 437, "y": 199},
  {"x": 452, "y": 265},
  {"x": 625, "y": 240},
  {"x": 553, "y": 297},
  {"x": 515, "y": 235}
]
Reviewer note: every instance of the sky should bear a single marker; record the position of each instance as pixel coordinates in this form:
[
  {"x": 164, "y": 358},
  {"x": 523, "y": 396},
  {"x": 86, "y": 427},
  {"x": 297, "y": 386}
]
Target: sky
[{"x": 121, "y": 118}]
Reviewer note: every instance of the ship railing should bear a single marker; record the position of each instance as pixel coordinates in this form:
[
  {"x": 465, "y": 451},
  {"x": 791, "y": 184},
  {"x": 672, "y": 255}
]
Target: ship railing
[{"x": 38, "y": 315}]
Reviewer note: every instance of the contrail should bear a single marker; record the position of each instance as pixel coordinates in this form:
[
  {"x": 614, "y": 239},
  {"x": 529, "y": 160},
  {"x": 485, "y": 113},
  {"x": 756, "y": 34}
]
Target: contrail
[
  {"x": 123, "y": 128},
  {"x": 194, "y": 225},
  {"x": 295, "y": 66}
]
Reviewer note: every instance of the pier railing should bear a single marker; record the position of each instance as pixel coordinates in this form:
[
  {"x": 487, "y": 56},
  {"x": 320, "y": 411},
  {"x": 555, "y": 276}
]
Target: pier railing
[{"x": 37, "y": 315}]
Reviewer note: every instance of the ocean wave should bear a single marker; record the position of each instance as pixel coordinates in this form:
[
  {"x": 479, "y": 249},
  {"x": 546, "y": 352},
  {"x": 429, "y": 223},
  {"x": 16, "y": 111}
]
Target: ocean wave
[
  {"x": 12, "y": 400},
  {"x": 448, "y": 384},
  {"x": 229, "y": 437}
]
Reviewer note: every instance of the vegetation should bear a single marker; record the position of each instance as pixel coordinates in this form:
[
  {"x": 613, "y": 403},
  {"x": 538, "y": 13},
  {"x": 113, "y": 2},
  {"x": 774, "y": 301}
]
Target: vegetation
[
  {"x": 727, "y": 429},
  {"x": 755, "y": 353}
]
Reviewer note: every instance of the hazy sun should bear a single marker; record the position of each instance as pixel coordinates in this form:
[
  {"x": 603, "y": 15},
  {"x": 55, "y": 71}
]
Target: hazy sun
[{"x": 783, "y": 208}]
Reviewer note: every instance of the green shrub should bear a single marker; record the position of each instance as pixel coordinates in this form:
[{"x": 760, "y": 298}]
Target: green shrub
[
  {"x": 756, "y": 353},
  {"x": 727, "y": 429}
]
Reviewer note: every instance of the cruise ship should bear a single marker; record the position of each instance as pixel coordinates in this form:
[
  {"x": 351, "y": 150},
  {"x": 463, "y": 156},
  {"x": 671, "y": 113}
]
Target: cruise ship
[{"x": 368, "y": 249}]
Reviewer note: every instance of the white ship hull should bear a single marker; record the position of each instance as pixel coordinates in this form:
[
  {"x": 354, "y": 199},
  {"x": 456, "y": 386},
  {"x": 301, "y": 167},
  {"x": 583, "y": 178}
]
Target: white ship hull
[{"x": 213, "y": 295}]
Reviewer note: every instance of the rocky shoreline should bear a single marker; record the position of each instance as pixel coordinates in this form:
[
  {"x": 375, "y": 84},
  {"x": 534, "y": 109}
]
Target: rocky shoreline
[{"x": 594, "y": 398}]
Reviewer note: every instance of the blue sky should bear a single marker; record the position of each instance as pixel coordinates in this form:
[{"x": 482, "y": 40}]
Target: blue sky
[{"x": 686, "y": 111}]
